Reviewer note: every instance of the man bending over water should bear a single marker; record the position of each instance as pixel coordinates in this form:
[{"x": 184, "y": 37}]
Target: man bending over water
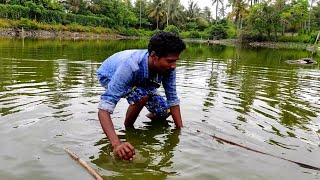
[{"x": 136, "y": 75}]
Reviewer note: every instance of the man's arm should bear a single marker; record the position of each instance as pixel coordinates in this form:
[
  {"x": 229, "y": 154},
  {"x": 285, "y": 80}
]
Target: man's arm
[
  {"x": 169, "y": 84},
  {"x": 108, "y": 128},
  {"x": 176, "y": 116},
  {"x": 120, "y": 149}
]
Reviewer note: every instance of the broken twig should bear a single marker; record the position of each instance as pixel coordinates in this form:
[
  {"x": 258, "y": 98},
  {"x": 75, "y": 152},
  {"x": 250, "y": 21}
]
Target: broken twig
[{"x": 84, "y": 164}]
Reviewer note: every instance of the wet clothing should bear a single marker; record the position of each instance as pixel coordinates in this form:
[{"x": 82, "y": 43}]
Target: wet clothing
[{"x": 125, "y": 75}]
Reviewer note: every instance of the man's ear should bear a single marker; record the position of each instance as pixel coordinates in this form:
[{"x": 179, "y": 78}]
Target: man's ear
[{"x": 153, "y": 55}]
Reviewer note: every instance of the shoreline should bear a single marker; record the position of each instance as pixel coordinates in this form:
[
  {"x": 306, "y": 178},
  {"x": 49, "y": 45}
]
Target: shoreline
[
  {"x": 63, "y": 35},
  {"x": 68, "y": 35}
]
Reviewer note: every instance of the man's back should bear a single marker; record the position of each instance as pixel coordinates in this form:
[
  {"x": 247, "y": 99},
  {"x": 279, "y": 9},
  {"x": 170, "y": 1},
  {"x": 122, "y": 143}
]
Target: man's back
[{"x": 133, "y": 58}]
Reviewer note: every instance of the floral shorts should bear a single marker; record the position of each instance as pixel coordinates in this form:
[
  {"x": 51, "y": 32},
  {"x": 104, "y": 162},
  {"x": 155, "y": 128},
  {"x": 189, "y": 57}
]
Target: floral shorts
[{"x": 156, "y": 103}]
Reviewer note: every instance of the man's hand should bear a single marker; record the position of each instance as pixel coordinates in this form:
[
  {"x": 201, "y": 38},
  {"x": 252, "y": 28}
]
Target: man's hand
[
  {"x": 124, "y": 151},
  {"x": 176, "y": 116}
]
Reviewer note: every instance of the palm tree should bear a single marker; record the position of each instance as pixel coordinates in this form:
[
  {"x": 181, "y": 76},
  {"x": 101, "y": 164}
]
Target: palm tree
[
  {"x": 238, "y": 11},
  {"x": 310, "y": 12},
  {"x": 207, "y": 14},
  {"x": 279, "y": 6},
  {"x": 174, "y": 15},
  {"x": 73, "y": 5},
  {"x": 217, "y": 6},
  {"x": 168, "y": 11},
  {"x": 156, "y": 11},
  {"x": 93, "y": 7},
  {"x": 193, "y": 11},
  {"x": 222, "y": 11}
]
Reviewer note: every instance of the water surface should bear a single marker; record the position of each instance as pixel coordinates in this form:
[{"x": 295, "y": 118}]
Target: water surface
[{"x": 49, "y": 96}]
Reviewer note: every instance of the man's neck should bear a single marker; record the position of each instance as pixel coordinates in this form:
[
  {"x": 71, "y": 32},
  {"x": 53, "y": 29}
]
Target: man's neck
[{"x": 151, "y": 68}]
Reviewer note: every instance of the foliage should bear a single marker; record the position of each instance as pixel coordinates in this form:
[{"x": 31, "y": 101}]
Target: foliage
[
  {"x": 304, "y": 38},
  {"x": 128, "y": 31},
  {"x": 13, "y": 11},
  {"x": 261, "y": 20},
  {"x": 27, "y": 24},
  {"x": 172, "y": 28},
  {"x": 202, "y": 24},
  {"x": 5, "y": 23},
  {"x": 231, "y": 31},
  {"x": 218, "y": 31},
  {"x": 184, "y": 34},
  {"x": 246, "y": 36}
]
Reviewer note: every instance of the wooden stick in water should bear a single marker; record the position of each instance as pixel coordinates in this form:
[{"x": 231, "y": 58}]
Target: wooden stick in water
[{"x": 84, "y": 164}]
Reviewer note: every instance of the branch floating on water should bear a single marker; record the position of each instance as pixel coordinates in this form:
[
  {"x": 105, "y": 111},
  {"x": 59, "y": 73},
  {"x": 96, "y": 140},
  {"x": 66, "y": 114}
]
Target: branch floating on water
[{"x": 84, "y": 164}]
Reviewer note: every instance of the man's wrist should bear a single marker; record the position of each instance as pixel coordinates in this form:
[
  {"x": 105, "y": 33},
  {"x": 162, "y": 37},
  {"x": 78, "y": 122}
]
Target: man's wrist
[{"x": 115, "y": 143}]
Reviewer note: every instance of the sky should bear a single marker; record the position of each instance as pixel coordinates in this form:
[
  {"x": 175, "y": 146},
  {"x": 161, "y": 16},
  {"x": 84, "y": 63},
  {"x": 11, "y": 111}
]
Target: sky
[{"x": 201, "y": 3}]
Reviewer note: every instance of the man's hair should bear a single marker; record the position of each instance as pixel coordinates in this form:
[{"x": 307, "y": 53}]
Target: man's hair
[{"x": 164, "y": 43}]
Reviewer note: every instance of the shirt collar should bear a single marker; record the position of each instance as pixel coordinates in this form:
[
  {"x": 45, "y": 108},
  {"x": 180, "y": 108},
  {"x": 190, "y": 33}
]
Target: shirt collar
[{"x": 145, "y": 65}]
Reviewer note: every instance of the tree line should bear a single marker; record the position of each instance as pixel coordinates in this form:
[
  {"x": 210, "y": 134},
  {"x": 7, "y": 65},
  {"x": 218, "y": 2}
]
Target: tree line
[{"x": 295, "y": 20}]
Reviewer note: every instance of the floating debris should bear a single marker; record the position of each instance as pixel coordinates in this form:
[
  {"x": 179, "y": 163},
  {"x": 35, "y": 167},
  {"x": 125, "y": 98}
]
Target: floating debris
[{"x": 302, "y": 61}]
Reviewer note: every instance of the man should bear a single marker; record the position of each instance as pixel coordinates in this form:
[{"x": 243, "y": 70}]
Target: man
[{"x": 136, "y": 75}]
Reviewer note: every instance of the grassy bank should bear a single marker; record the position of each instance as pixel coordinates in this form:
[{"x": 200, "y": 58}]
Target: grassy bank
[{"x": 35, "y": 29}]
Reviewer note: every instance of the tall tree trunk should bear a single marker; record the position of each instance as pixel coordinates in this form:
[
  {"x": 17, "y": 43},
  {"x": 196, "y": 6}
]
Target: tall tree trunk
[
  {"x": 157, "y": 23},
  {"x": 140, "y": 13},
  {"x": 168, "y": 13},
  {"x": 309, "y": 19},
  {"x": 217, "y": 7}
]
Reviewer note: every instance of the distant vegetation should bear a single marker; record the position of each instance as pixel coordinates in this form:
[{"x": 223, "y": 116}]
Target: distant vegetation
[{"x": 253, "y": 20}]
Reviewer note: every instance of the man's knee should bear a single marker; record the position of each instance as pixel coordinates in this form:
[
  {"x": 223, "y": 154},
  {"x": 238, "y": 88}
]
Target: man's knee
[{"x": 143, "y": 100}]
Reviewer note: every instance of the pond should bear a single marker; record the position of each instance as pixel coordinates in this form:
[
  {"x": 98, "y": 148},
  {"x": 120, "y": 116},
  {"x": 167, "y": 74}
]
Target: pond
[{"x": 250, "y": 96}]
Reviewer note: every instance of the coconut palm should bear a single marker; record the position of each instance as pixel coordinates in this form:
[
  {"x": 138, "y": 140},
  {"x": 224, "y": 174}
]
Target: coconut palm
[
  {"x": 310, "y": 12},
  {"x": 193, "y": 12},
  {"x": 174, "y": 12},
  {"x": 156, "y": 11},
  {"x": 217, "y": 6},
  {"x": 207, "y": 14},
  {"x": 73, "y": 5},
  {"x": 93, "y": 7},
  {"x": 239, "y": 10},
  {"x": 222, "y": 12}
]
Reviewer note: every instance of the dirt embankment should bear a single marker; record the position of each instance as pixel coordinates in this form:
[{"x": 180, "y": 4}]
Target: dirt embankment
[{"x": 43, "y": 34}]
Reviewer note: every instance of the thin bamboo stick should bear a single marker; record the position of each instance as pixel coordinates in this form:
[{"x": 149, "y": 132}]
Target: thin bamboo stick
[{"x": 84, "y": 164}]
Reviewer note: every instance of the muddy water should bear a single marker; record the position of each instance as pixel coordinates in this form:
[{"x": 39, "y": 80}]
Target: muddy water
[{"x": 49, "y": 96}]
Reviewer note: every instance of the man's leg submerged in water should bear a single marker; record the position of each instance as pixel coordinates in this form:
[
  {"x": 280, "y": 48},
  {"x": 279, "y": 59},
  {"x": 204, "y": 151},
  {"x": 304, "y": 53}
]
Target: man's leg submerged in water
[
  {"x": 138, "y": 97},
  {"x": 134, "y": 111}
]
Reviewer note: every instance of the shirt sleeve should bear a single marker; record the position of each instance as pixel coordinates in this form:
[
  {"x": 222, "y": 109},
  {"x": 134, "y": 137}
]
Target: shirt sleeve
[
  {"x": 117, "y": 87},
  {"x": 169, "y": 85}
]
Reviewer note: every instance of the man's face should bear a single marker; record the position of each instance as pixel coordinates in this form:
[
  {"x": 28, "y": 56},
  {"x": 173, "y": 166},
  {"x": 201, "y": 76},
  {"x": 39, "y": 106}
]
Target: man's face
[{"x": 168, "y": 63}]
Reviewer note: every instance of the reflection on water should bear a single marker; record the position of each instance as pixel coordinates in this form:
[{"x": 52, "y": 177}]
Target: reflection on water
[
  {"x": 154, "y": 144},
  {"x": 49, "y": 96}
]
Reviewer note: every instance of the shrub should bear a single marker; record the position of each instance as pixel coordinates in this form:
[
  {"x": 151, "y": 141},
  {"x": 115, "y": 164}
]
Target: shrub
[
  {"x": 184, "y": 34},
  {"x": 231, "y": 32},
  {"x": 245, "y": 36},
  {"x": 194, "y": 34},
  {"x": 27, "y": 24},
  {"x": 300, "y": 38},
  {"x": 34, "y": 11},
  {"x": 128, "y": 31},
  {"x": 218, "y": 31},
  {"x": 5, "y": 23},
  {"x": 14, "y": 11},
  {"x": 172, "y": 28}
]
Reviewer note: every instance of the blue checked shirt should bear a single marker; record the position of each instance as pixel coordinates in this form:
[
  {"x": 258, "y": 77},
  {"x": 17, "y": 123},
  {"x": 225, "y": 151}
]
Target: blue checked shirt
[{"x": 126, "y": 69}]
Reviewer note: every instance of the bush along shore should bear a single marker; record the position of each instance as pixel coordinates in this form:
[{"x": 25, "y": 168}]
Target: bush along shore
[
  {"x": 26, "y": 28},
  {"x": 78, "y": 35}
]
